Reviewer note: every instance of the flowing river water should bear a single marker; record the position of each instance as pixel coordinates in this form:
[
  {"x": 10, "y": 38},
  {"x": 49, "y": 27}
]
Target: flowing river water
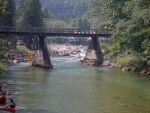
[{"x": 75, "y": 88}]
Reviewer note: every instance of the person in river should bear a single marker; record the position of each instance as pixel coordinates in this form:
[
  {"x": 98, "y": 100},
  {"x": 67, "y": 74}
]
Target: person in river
[
  {"x": 2, "y": 92},
  {"x": 12, "y": 103}
]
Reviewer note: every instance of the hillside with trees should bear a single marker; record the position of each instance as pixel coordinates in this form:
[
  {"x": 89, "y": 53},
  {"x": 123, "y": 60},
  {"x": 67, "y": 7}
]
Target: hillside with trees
[
  {"x": 128, "y": 20},
  {"x": 7, "y": 12},
  {"x": 130, "y": 23},
  {"x": 64, "y": 9}
]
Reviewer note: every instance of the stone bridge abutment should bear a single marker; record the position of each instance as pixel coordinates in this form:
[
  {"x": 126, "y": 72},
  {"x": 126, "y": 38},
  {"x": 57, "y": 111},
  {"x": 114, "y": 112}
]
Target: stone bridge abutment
[
  {"x": 41, "y": 54},
  {"x": 94, "y": 53}
]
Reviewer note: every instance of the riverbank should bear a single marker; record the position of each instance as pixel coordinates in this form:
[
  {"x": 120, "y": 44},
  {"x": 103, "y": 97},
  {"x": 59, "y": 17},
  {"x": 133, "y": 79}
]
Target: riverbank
[
  {"x": 16, "y": 57},
  {"x": 21, "y": 55},
  {"x": 66, "y": 50},
  {"x": 12, "y": 56},
  {"x": 111, "y": 62}
]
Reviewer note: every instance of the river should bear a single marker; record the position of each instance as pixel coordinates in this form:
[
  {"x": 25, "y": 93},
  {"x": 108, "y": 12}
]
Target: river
[{"x": 75, "y": 88}]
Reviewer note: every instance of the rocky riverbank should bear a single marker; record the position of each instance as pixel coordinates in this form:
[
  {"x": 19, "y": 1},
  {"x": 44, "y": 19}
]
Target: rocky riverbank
[
  {"x": 66, "y": 49},
  {"x": 15, "y": 57},
  {"x": 110, "y": 61}
]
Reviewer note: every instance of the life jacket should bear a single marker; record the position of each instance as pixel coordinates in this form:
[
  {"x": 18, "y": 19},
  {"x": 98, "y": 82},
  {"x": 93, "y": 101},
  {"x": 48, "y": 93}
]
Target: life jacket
[{"x": 13, "y": 105}]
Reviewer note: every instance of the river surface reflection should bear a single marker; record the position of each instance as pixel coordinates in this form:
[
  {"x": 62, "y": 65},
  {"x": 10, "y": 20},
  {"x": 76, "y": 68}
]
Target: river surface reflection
[{"x": 74, "y": 88}]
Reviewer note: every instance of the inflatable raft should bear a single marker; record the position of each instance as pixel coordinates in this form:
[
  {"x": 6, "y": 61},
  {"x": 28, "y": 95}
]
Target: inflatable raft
[
  {"x": 10, "y": 109},
  {"x": 2, "y": 99}
]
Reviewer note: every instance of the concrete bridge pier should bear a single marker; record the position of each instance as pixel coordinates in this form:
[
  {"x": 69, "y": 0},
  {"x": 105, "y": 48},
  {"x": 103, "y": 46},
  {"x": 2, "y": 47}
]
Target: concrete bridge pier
[
  {"x": 41, "y": 56},
  {"x": 94, "y": 54}
]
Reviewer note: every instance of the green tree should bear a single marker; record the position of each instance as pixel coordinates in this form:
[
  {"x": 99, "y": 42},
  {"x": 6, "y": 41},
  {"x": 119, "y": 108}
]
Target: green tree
[
  {"x": 35, "y": 14},
  {"x": 46, "y": 13},
  {"x": 130, "y": 20},
  {"x": 3, "y": 5},
  {"x": 22, "y": 10},
  {"x": 7, "y": 12},
  {"x": 7, "y": 19},
  {"x": 30, "y": 15},
  {"x": 83, "y": 24}
]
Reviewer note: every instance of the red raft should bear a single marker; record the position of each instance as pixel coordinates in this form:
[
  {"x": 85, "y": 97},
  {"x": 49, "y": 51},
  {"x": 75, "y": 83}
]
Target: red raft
[
  {"x": 2, "y": 99},
  {"x": 10, "y": 109}
]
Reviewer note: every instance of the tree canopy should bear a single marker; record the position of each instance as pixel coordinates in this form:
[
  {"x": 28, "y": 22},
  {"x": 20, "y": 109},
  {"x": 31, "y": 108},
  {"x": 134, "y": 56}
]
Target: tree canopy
[{"x": 130, "y": 22}]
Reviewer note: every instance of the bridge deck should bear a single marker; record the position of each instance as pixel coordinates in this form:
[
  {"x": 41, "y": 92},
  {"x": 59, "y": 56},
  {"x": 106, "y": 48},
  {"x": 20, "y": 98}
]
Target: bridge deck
[{"x": 54, "y": 32}]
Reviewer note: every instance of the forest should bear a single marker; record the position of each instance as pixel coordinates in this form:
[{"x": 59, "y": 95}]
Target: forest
[
  {"x": 129, "y": 20},
  {"x": 63, "y": 9}
]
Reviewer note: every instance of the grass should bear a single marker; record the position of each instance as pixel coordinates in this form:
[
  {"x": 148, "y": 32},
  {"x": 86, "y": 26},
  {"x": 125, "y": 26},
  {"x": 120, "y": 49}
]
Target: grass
[
  {"x": 22, "y": 49},
  {"x": 129, "y": 60},
  {"x": 2, "y": 68},
  {"x": 111, "y": 50}
]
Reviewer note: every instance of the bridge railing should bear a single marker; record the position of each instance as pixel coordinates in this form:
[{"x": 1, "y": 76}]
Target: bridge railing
[{"x": 9, "y": 29}]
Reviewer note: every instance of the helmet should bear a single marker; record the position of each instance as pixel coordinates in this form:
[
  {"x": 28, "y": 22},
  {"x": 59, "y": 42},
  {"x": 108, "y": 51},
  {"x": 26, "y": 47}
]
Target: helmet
[{"x": 10, "y": 98}]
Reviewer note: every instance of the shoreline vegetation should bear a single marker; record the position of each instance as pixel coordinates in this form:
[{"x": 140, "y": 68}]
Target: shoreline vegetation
[
  {"x": 115, "y": 59},
  {"x": 12, "y": 56},
  {"x": 128, "y": 20},
  {"x": 115, "y": 64},
  {"x": 125, "y": 60}
]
